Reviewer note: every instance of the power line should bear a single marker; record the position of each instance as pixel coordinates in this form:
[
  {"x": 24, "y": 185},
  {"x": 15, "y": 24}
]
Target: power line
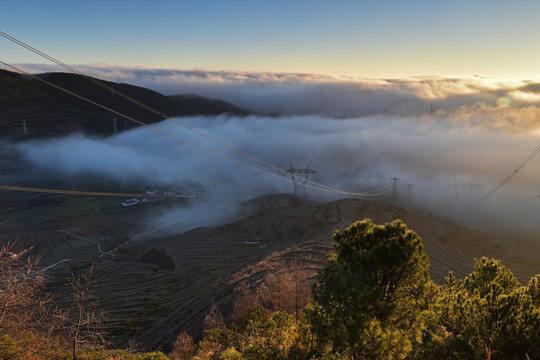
[
  {"x": 136, "y": 121},
  {"x": 295, "y": 172},
  {"x": 315, "y": 186},
  {"x": 87, "y": 193},
  {"x": 529, "y": 157},
  {"x": 395, "y": 181},
  {"x": 528, "y": 200},
  {"x": 164, "y": 116}
]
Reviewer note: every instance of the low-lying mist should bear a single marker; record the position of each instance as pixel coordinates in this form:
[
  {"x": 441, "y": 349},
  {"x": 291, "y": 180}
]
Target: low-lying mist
[
  {"x": 453, "y": 139},
  {"x": 452, "y": 159}
]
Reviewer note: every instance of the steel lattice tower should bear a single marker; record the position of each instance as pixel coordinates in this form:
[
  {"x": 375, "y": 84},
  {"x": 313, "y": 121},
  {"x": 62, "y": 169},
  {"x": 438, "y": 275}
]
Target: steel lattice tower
[
  {"x": 395, "y": 181},
  {"x": 25, "y": 129},
  {"x": 296, "y": 175}
]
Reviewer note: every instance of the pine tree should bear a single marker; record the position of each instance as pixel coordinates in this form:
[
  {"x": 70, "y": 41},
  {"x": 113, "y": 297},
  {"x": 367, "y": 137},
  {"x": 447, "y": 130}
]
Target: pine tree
[
  {"x": 489, "y": 315},
  {"x": 370, "y": 296}
]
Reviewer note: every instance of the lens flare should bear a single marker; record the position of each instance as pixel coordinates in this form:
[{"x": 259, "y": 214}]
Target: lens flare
[{"x": 504, "y": 101}]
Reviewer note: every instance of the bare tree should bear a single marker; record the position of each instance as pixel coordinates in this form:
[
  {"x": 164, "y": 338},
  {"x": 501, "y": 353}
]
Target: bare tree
[
  {"x": 183, "y": 347},
  {"x": 85, "y": 317},
  {"x": 245, "y": 302},
  {"x": 26, "y": 311},
  {"x": 23, "y": 302},
  {"x": 287, "y": 288},
  {"x": 214, "y": 319}
]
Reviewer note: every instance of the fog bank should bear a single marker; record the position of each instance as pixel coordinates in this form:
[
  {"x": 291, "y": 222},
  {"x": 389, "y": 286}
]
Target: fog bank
[
  {"x": 337, "y": 96},
  {"x": 453, "y": 139},
  {"x": 451, "y": 162}
]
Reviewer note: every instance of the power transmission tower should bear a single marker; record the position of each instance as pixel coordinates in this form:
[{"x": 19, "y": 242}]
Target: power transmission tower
[
  {"x": 431, "y": 110},
  {"x": 296, "y": 175},
  {"x": 25, "y": 129},
  {"x": 115, "y": 126},
  {"x": 395, "y": 181}
]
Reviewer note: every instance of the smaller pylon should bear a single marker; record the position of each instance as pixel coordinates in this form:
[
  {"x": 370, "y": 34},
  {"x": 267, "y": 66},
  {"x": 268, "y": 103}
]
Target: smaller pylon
[
  {"x": 25, "y": 129},
  {"x": 395, "y": 181},
  {"x": 295, "y": 172}
]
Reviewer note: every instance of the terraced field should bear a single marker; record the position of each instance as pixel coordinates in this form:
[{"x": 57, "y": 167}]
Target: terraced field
[
  {"x": 152, "y": 286},
  {"x": 152, "y": 289}
]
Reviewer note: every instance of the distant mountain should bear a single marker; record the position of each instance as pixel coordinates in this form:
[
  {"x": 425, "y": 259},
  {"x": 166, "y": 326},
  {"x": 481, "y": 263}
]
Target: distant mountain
[
  {"x": 47, "y": 111},
  {"x": 192, "y": 104}
]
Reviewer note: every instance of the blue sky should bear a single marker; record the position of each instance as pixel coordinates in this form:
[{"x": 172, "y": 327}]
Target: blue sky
[{"x": 360, "y": 38}]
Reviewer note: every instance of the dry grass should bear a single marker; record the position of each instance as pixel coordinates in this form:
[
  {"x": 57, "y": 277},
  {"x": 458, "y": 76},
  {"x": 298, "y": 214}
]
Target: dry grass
[{"x": 153, "y": 303}]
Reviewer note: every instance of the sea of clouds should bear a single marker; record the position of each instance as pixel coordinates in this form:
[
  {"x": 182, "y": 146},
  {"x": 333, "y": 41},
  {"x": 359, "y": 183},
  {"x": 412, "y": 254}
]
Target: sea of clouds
[{"x": 455, "y": 140}]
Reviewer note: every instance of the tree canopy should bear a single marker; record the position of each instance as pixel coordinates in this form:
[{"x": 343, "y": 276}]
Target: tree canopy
[
  {"x": 374, "y": 299},
  {"x": 370, "y": 296}
]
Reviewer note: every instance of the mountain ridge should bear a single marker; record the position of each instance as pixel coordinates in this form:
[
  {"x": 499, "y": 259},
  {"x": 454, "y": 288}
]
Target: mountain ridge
[{"x": 30, "y": 108}]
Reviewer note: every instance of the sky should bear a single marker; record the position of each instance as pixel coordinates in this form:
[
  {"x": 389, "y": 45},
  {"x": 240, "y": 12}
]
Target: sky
[
  {"x": 353, "y": 38},
  {"x": 443, "y": 95}
]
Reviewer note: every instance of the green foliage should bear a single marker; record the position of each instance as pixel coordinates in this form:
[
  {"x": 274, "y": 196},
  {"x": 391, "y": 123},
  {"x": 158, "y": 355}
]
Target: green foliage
[
  {"x": 489, "y": 314},
  {"x": 442, "y": 339},
  {"x": 490, "y": 275},
  {"x": 230, "y": 354},
  {"x": 214, "y": 342},
  {"x": 27, "y": 346},
  {"x": 265, "y": 336},
  {"x": 370, "y": 297},
  {"x": 94, "y": 354},
  {"x": 373, "y": 300},
  {"x": 533, "y": 289},
  {"x": 152, "y": 356},
  {"x": 269, "y": 337}
]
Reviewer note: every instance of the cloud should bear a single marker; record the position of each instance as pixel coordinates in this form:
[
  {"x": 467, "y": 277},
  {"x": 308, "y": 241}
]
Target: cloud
[
  {"x": 454, "y": 139},
  {"x": 290, "y": 94},
  {"x": 450, "y": 163},
  {"x": 495, "y": 117}
]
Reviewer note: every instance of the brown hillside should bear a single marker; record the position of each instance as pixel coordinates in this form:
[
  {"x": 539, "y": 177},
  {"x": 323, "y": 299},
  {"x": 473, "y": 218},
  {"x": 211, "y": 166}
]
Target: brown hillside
[{"x": 154, "y": 289}]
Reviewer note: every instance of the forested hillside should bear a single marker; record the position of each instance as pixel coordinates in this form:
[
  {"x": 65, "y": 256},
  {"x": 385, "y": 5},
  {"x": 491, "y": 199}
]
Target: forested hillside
[{"x": 374, "y": 299}]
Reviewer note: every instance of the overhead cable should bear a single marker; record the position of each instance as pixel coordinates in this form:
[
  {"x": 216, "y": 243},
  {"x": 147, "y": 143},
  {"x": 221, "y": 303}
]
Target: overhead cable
[
  {"x": 75, "y": 192},
  {"x": 529, "y": 157},
  {"x": 316, "y": 187},
  {"x": 164, "y": 116}
]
